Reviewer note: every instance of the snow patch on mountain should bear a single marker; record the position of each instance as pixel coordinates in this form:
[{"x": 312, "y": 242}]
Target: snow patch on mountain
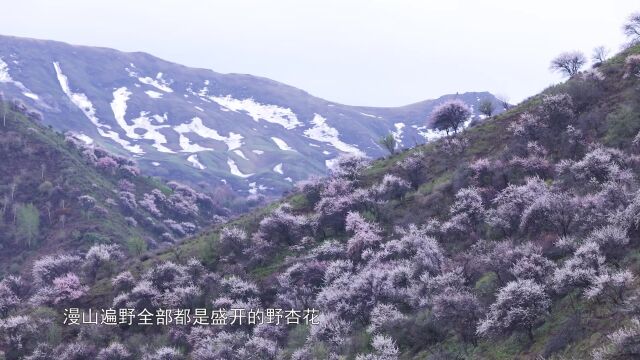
[
  {"x": 151, "y": 131},
  {"x": 82, "y": 102},
  {"x": 433, "y": 134},
  {"x": 369, "y": 115},
  {"x": 119, "y": 108},
  {"x": 278, "y": 169},
  {"x": 153, "y": 94},
  {"x": 5, "y": 77},
  {"x": 240, "y": 153},
  {"x": 428, "y": 134},
  {"x": 82, "y": 137},
  {"x": 233, "y": 141},
  {"x": 188, "y": 147},
  {"x": 4, "y": 72},
  {"x": 331, "y": 163},
  {"x": 161, "y": 118},
  {"x": 281, "y": 144},
  {"x": 257, "y": 152},
  {"x": 233, "y": 168},
  {"x": 254, "y": 188},
  {"x": 193, "y": 159},
  {"x": 158, "y": 83},
  {"x": 322, "y": 132},
  {"x": 274, "y": 114},
  {"x": 397, "y": 135}
]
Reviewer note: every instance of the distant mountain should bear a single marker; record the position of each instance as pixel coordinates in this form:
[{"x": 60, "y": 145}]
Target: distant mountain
[{"x": 196, "y": 125}]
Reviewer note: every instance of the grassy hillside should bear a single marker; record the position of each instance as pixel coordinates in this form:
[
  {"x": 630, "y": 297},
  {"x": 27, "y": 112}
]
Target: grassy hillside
[
  {"x": 57, "y": 196},
  {"x": 517, "y": 238}
]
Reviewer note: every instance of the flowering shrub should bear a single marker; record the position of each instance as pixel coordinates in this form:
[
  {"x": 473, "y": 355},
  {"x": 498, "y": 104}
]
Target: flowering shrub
[
  {"x": 126, "y": 185},
  {"x": 115, "y": 351},
  {"x": 65, "y": 289},
  {"x": 87, "y": 202},
  {"x": 518, "y": 305},
  {"x": 511, "y": 202},
  {"x": 107, "y": 164},
  {"x": 128, "y": 201},
  {"x": 450, "y": 115},
  {"x": 632, "y": 65},
  {"x": 100, "y": 256},
  {"x": 581, "y": 269},
  {"x": 391, "y": 187},
  {"x": 621, "y": 343},
  {"x": 148, "y": 203},
  {"x": 47, "y": 268},
  {"x": 383, "y": 348},
  {"x": 123, "y": 282},
  {"x": 349, "y": 166}
]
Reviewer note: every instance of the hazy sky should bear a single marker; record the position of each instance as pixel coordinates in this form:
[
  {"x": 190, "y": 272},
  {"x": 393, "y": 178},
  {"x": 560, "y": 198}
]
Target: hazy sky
[{"x": 358, "y": 52}]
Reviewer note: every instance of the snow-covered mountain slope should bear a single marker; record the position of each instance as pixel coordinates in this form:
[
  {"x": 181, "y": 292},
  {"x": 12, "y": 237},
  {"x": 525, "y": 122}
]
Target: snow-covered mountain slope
[{"x": 197, "y": 125}]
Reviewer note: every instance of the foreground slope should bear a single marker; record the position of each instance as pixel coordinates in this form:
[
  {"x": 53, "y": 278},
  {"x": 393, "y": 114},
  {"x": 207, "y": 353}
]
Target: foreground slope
[{"x": 198, "y": 125}]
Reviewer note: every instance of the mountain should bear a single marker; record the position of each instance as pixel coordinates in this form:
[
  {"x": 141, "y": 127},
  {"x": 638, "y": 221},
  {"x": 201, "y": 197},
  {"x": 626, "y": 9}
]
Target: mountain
[{"x": 196, "y": 125}]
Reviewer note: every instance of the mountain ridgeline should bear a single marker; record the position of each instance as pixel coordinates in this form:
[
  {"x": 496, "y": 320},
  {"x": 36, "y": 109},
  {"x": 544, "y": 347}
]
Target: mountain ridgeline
[{"x": 198, "y": 126}]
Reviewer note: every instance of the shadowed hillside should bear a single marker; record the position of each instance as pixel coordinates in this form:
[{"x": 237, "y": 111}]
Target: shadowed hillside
[{"x": 58, "y": 194}]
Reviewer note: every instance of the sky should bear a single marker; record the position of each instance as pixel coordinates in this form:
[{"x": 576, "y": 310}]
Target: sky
[{"x": 356, "y": 52}]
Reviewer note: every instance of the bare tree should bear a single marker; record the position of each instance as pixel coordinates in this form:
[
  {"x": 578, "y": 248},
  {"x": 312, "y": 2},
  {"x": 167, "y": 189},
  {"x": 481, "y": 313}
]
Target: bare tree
[
  {"x": 13, "y": 185},
  {"x": 632, "y": 28},
  {"x": 48, "y": 206},
  {"x": 504, "y": 101},
  {"x": 600, "y": 54},
  {"x": 569, "y": 63},
  {"x": 3, "y": 104},
  {"x": 5, "y": 203}
]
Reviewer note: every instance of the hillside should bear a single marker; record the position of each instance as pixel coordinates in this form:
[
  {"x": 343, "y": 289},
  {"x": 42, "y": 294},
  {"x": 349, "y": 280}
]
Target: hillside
[
  {"x": 525, "y": 243},
  {"x": 199, "y": 126},
  {"x": 58, "y": 194}
]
